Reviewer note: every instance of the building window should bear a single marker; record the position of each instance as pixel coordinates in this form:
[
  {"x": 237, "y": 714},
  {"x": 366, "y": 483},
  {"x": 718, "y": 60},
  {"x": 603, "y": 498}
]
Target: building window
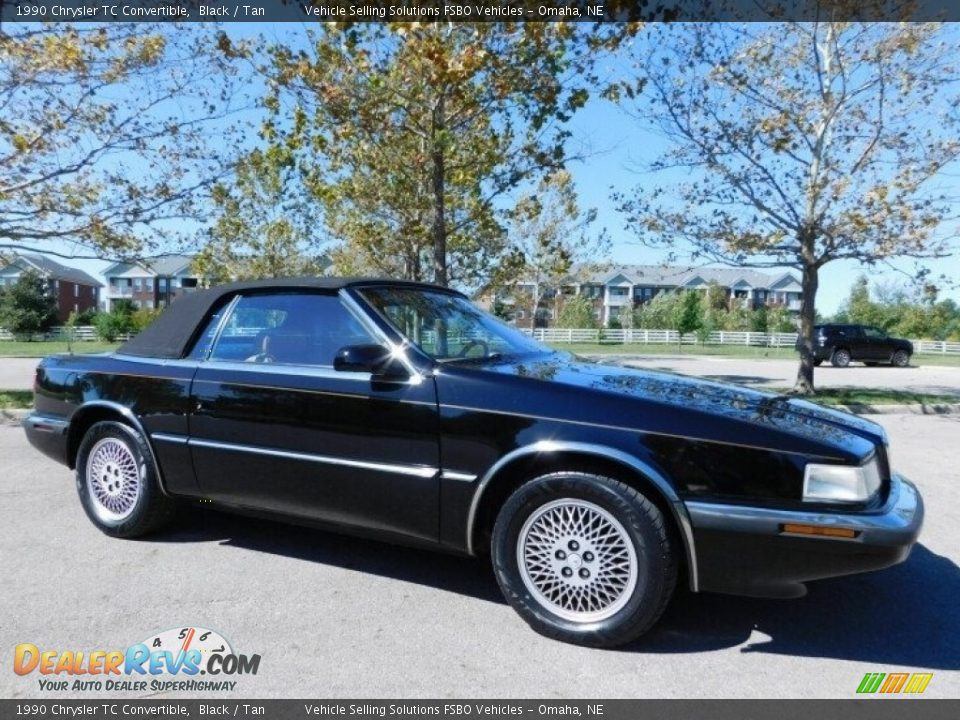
[
  {"x": 162, "y": 284},
  {"x": 520, "y": 315},
  {"x": 148, "y": 283},
  {"x": 619, "y": 292},
  {"x": 76, "y": 307},
  {"x": 56, "y": 285},
  {"x": 76, "y": 290},
  {"x": 138, "y": 284}
]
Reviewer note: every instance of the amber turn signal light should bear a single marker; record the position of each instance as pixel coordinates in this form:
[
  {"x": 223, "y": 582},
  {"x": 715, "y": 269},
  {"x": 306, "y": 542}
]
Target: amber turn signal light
[{"x": 795, "y": 529}]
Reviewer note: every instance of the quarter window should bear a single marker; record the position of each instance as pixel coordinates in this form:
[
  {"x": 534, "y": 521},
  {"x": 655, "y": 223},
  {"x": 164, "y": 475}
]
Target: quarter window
[{"x": 286, "y": 328}]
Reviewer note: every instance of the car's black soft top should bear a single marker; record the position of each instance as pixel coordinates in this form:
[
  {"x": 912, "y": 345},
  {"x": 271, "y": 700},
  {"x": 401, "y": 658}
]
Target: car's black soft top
[{"x": 171, "y": 334}]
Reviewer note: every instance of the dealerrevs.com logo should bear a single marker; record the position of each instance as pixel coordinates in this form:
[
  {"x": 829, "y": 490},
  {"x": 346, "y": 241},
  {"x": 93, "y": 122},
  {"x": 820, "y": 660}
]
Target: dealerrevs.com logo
[{"x": 172, "y": 660}]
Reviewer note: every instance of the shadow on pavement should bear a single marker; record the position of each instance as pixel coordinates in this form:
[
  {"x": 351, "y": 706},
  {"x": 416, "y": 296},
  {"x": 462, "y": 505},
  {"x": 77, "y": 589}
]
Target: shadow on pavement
[
  {"x": 908, "y": 615},
  {"x": 452, "y": 573}
]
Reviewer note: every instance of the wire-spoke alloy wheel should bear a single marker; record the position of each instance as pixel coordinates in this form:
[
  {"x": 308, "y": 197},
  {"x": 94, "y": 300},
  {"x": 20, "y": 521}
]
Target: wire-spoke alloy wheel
[
  {"x": 114, "y": 479},
  {"x": 577, "y": 559},
  {"x": 117, "y": 481},
  {"x": 584, "y": 558},
  {"x": 901, "y": 358}
]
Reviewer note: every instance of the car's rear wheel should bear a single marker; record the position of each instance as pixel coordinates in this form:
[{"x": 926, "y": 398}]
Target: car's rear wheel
[
  {"x": 840, "y": 358},
  {"x": 901, "y": 358},
  {"x": 584, "y": 558},
  {"x": 117, "y": 482}
]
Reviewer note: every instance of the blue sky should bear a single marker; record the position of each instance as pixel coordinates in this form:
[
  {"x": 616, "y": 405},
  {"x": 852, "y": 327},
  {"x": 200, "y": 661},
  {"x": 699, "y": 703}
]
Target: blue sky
[{"x": 615, "y": 146}]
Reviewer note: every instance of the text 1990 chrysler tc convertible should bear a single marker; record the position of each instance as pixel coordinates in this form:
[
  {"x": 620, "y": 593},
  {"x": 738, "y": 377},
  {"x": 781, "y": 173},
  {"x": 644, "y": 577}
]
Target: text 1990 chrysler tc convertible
[{"x": 401, "y": 410}]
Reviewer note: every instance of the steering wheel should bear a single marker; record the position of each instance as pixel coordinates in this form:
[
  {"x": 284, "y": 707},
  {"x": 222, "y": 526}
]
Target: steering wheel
[{"x": 472, "y": 344}]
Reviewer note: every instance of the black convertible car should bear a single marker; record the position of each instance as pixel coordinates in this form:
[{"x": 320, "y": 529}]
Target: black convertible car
[{"x": 401, "y": 410}]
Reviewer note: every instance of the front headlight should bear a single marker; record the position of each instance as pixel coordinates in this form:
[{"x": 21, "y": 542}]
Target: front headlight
[{"x": 841, "y": 483}]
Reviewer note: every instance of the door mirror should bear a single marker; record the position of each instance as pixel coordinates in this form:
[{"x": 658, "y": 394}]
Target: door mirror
[{"x": 375, "y": 359}]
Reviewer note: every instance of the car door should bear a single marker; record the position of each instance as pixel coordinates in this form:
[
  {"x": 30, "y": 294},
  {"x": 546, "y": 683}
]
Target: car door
[
  {"x": 273, "y": 426},
  {"x": 877, "y": 345}
]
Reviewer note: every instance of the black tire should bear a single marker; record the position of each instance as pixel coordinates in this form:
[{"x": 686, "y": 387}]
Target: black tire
[
  {"x": 901, "y": 358},
  {"x": 637, "y": 607},
  {"x": 841, "y": 357},
  {"x": 142, "y": 506}
]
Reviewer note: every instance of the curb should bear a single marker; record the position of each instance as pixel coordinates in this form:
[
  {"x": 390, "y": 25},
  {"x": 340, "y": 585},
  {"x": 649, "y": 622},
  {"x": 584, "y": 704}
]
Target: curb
[{"x": 14, "y": 417}]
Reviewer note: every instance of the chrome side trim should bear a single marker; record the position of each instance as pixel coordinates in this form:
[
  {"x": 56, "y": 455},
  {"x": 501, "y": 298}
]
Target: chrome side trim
[
  {"x": 46, "y": 424},
  {"x": 452, "y": 475},
  {"x": 286, "y": 369},
  {"x": 128, "y": 415},
  {"x": 162, "y": 362},
  {"x": 677, "y": 505},
  {"x": 415, "y": 470},
  {"x": 176, "y": 439}
]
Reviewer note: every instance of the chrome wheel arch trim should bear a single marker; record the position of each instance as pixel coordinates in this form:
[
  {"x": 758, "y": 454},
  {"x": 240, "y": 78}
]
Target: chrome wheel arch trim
[
  {"x": 128, "y": 415},
  {"x": 660, "y": 482}
]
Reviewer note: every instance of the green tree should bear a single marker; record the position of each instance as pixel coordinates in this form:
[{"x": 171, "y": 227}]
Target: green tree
[
  {"x": 27, "y": 307},
  {"x": 265, "y": 226},
  {"x": 799, "y": 146},
  {"x": 413, "y": 136},
  {"x": 688, "y": 314},
  {"x": 577, "y": 312},
  {"x": 121, "y": 320},
  {"x": 104, "y": 133},
  {"x": 658, "y": 313},
  {"x": 550, "y": 238}
]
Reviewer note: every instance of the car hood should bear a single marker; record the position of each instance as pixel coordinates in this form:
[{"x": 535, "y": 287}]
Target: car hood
[{"x": 765, "y": 416}]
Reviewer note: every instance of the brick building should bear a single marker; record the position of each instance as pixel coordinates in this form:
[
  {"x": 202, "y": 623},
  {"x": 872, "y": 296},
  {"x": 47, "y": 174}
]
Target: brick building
[
  {"x": 152, "y": 283},
  {"x": 633, "y": 285},
  {"x": 73, "y": 289}
]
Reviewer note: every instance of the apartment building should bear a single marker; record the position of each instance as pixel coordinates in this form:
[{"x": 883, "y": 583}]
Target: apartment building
[
  {"x": 73, "y": 289},
  {"x": 152, "y": 283},
  {"x": 633, "y": 285}
]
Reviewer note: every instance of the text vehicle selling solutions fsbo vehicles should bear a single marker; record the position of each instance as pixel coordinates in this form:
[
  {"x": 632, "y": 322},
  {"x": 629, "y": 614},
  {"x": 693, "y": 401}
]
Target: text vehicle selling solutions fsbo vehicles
[{"x": 400, "y": 410}]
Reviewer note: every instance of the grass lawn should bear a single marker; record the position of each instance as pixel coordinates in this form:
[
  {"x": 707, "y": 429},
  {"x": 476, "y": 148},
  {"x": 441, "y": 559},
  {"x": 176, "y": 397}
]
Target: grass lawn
[
  {"x": 17, "y": 348},
  {"x": 13, "y": 399},
  {"x": 732, "y": 351}
]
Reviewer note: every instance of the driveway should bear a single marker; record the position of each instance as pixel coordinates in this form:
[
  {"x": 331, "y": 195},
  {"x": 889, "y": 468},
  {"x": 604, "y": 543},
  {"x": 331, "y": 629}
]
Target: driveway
[{"x": 333, "y": 616}]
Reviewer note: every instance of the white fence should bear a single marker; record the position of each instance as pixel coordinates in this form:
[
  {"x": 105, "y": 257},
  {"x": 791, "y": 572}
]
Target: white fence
[
  {"x": 86, "y": 333},
  {"x": 718, "y": 337},
  {"x": 81, "y": 333}
]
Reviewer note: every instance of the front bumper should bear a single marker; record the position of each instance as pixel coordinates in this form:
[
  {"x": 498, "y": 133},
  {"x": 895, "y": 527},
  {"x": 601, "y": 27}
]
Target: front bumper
[{"x": 745, "y": 551}]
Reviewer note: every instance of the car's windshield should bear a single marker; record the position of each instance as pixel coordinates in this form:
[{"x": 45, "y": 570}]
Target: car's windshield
[{"x": 448, "y": 327}]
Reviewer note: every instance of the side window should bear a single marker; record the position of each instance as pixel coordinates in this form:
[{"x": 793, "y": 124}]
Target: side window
[{"x": 288, "y": 328}]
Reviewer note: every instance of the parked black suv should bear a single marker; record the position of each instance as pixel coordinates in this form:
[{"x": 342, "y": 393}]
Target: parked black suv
[{"x": 841, "y": 344}]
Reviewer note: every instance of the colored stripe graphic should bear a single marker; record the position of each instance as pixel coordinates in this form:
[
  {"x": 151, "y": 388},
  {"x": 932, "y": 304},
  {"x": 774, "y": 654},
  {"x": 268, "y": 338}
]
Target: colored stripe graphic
[
  {"x": 870, "y": 682},
  {"x": 894, "y": 683},
  {"x": 918, "y": 683}
]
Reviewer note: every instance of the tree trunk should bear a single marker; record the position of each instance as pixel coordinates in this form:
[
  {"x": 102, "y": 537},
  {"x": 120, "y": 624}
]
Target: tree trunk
[
  {"x": 439, "y": 203},
  {"x": 808, "y": 318}
]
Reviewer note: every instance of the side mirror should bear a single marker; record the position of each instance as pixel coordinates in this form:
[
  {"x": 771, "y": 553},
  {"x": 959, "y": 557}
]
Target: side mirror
[{"x": 374, "y": 359}]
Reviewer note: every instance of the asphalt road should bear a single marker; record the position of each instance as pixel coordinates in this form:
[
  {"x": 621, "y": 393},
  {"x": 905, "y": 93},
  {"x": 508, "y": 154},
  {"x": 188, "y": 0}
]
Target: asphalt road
[{"x": 334, "y": 616}]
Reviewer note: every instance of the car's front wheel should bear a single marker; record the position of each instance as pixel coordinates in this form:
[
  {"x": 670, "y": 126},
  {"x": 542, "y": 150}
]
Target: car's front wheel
[
  {"x": 901, "y": 358},
  {"x": 584, "y": 558},
  {"x": 840, "y": 358},
  {"x": 117, "y": 482}
]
